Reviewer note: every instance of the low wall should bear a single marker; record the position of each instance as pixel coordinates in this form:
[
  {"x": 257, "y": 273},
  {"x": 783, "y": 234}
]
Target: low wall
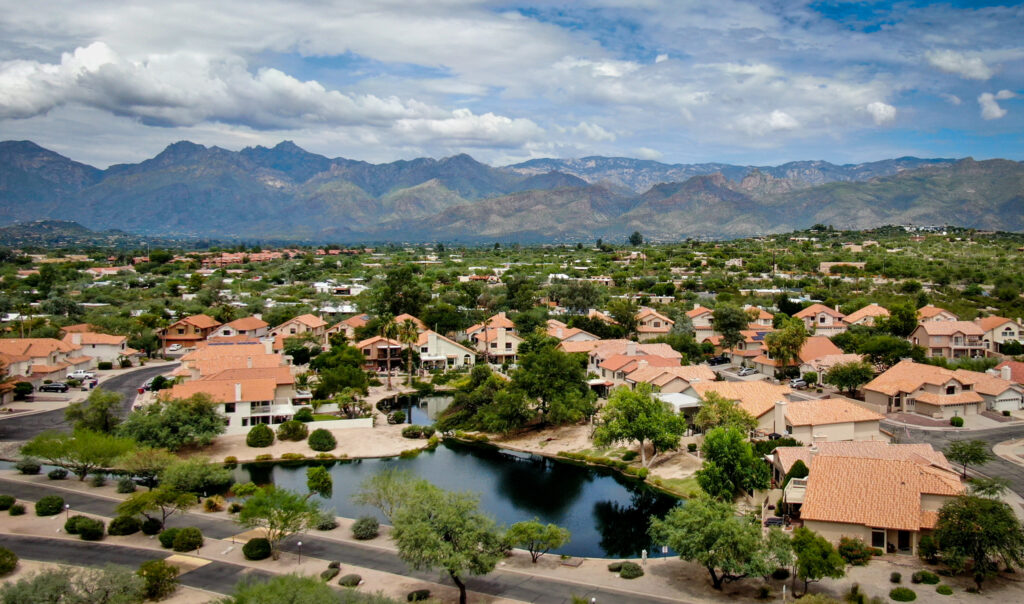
[{"x": 334, "y": 424}]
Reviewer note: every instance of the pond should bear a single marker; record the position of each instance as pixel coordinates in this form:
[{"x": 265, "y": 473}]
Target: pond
[
  {"x": 420, "y": 410},
  {"x": 607, "y": 514}
]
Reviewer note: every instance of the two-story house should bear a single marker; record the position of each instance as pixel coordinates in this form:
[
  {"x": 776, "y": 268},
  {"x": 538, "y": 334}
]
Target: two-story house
[
  {"x": 651, "y": 324},
  {"x": 831, "y": 419},
  {"x": 925, "y": 389},
  {"x": 563, "y": 333},
  {"x": 312, "y": 325},
  {"x": 821, "y": 320},
  {"x": 382, "y": 354},
  {"x": 950, "y": 339},
  {"x": 934, "y": 313},
  {"x": 703, "y": 320},
  {"x": 497, "y": 344},
  {"x": 39, "y": 359},
  {"x": 867, "y": 315},
  {"x": 100, "y": 346},
  {"x": 188, "y": 331},
  {"x": 250, "y": 327},
  {"x": 439, "y": 352},
  {"x": 246, "y": 397},
  {"x": 999, "y": 331}
]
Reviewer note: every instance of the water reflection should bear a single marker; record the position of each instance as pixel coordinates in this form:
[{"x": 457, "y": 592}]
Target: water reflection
[{"x": 623, "y": 528}]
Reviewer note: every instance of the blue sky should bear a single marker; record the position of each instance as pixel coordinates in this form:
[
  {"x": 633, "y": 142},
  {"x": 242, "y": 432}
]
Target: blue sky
[{"x": 682, "y": 81}]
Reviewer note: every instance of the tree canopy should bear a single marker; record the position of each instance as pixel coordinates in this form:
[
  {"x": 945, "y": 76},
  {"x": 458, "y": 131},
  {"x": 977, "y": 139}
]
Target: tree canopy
[
  {"x": 536, "y": 538},
  {"x": 82, "y": 452},
  {"x": 979, "y": 531},
  {"x": 636, "y": 415},
  {"x": 557, "y": 381},
  {"x": 968, "y": 453},
  {"x": 730, "y": 465},
  {"x": 99, "y": 412},
  {"x": 175, "y": 423},
  {"x": 730, "y": 320},
  {"x": 280, "y": 513},
  {"x": 717, "y": 411},
  {"x": 849, "y": 376},
  {"x": 816, "y": 557}
]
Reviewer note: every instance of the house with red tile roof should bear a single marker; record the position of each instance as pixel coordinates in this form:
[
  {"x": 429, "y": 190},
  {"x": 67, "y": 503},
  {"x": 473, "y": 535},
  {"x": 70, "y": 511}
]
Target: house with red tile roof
[
  {"x": 997, "y": 391},
  {"x": 100, "y": 346},
  {"x": 821, "y": 320},
  {"x": 867, "y": 315},
  {"x": 934, "y": 313},
  {"x": 925, "y": 389},
  {"x": 651, "y": 324},
  {"x": 347, "y": 327},
  {"x": 668, "y": 379},
  {"x": 950, "y": 339},
  {"x": 298, "y": 326},
  {"x": 188, "y": 331},
  {"x": 828, "y": 420},
  {"x": 439, "y": 352},
  {"x": 382, "y": 354},
  {"x": 999, "y": 331},
  {"x": 251, "y": 327},
  {"x": 563, "y": 333},
  {"x": 1012, "y": 371},
  {"x": 815, "y": 347},
  {"x": 757, "y": 398}
]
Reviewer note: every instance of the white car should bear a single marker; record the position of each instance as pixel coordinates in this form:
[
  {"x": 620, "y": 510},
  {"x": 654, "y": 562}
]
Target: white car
[
  {"x": 81, "y": 374},
  {"x": 174, "y": 348}
]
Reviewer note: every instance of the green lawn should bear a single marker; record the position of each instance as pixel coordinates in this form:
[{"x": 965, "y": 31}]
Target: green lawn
[
  {"x": 324, "y": 417},
  {"x": 686, "y": 487}
]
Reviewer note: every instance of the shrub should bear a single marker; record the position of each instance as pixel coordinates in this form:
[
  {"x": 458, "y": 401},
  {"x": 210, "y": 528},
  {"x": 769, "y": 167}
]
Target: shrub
[
  {"x": 366, "y": 527},
  {"x": 8, "y": 561},
  {"x": 418, "y": 596},
  {"x": 126, "y": 485},
  {"x": 98, "y": 480},
  {"x": 428, "y": 431},
  {"x": 6, "y": 501},
  {"x": 71, "y": 526},
  {"x": 124, "y": 525},
  {"x": 615, "y": 567},
  {"x": 923, "y": 576},
  {"x": 104, "y": 365},
  {"x": 167, "y": 537},
  {"x": 1006, "y": 413},
  {"x": 322, "y": 440},
  {"x": 764, "y": 592},
  {"x": 326, "y": 456},
  {"x": 304, "y": 415},
  {"x": 151, "y": 526},
  {"x": 629, "y": 456},
  {"x": 412, "y": 431},
  {"x": 927, "y": 549},
  {"x": 234, "y": 507},
  {"x": 188, "y": 539},
  {"x": 631, "y": 570},
  {"x": 854, "y": 551},
  {"x": 256, "y": 549},
  {"x": 397, "y": 417},
  {"x": 957, "y": 422},
  {"x": 292, "y": 456},
  {"x": 944, "y": 590},
  {"x": 350, "y": 581},
  {"x": 326, "y": 522},
  {"x": 231, "y": 461},
  {"x": 264, "y": 457},
  {"x": 49, "y": 505},
  {"x": 780, "y": 574},
  {"x": 160, "y": 579},
  {"x": 213, "y": 504},
  {"x": 28, "y": 466},
  {"x": 17, "y": 509},
  {"x": 260, "y": 436},
  {"x": 329, "y": 574},
  {"x": 90, "y": 529},
  {"x": 334, "y": 564},
  {"x": 292, "y": 430},
  {"x": 895, "y": 577},
  {"x": 903, "y": 594},
  {"x": 691, "y": 447},
  {"x": 57, "y": 474}
]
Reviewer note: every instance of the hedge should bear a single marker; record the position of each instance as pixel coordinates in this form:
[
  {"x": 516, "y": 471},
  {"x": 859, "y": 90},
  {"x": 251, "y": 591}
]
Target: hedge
[
  {"x": 49, "y": 505},
  {"x": 90, "y": 529},
  {"x": 188, "y": 539},
  {"x": 350, "y": 581},
  {"x": 322, "y": 440},
  {"x": 257, "y": 548},
  {"x": 57, "y": 474},
  {"x": 903, "y": 594}
]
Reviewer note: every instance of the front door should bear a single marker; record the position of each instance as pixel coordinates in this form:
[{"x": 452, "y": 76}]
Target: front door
[{"x": 903, "y": 541}]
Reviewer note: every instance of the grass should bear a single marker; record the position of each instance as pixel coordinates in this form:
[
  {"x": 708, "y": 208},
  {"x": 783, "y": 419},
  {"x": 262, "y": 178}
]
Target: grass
[
  {"x": 611, "y": 452},
  {"x": 686, "y": 487},
  {"x": 324, "y": 417}
]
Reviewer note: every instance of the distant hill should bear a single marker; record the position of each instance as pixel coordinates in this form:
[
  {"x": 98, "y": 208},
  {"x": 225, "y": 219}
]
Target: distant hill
[
  {"x": 64, "y": 234},
  {"x": 285, "y": 193}
]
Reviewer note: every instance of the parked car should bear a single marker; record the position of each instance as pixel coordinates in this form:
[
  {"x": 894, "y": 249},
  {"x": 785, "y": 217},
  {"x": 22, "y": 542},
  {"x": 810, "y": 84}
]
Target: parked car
[
  {"x": 81, "y": 375},
  {"x": 746, "y": 371},
  {"x": 797, "y": 383},
  {"x": 174, "y": 348},
  {"x": 54, "y": 387},
  {"x": 719, "y": 360},
  {"x": 774, "y": 521}
]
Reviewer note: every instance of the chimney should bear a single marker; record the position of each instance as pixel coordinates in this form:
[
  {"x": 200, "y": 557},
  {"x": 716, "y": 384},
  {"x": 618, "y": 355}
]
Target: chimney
[
  {"x": 238, "y": 391},
  {"x": 76, "y": 339},
  {"x": 819, "y": 438},
  {"x": 631, "y": 350},
  {"x": 780, "y": 417},
  {"x": 559, "y": 333},
  {"x": 696, "y": 305},
  {"x": 837, "y": 308},
  {"x": 814, "y": 452},
  {"x": 1005, "y": 373},
  {"x": 641, "y": 364},
  {"x": 248, "y": 363}
]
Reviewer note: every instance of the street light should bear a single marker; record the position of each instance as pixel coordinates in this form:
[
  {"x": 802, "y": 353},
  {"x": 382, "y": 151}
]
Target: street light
[
  {"x": 67, "y": 511},
  {"x": 300, "y": 552}
]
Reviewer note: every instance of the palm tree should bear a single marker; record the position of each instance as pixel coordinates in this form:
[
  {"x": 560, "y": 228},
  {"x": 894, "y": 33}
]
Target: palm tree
[
  {"x": 487, "y": 349},
  {"x": 408, "y": 334},
  {"x": 387, "y": 329}
]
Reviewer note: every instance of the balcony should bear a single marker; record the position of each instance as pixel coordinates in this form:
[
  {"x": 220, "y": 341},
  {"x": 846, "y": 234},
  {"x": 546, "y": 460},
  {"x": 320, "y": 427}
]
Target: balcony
[{"x": 272, "y": 410}]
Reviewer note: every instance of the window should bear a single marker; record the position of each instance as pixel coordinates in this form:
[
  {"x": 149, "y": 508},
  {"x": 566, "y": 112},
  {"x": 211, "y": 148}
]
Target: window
[
  {"x": 245, "y": 421},
  {"x": 423, "y": 349},
  {"x": 181, "y": 331},
  {"x": 878, "y": 538},
  {"x": 821, "y": 319},
  {"x": 366, "y": 352},
  {"x": 508, "y": 345},
  {"x": 494, "y": 344},
  {"x": 229, "y": 407},
  {"x": 292, "y": 330},
  {"x": 657, "y": 323},
  {"x": 950, "y": 389}
]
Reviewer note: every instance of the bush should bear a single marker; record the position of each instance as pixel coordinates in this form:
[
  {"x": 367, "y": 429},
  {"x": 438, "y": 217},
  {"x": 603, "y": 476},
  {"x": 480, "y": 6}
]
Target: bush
[
  {"x": 126, "y": 485},
  {"x": 428, "y": 431},
  {"x": 418, "y": 596},
  {"x": 17, "y": 509},
  {"x": 322, "y": 440},
  {"x": 780, "y": 574},
  {"x": 895, "y": 577},
  {"x": 350, "y": 581},
  {"x": 90, "y": 529},
  {"x": 292, "y": 456},
  {"x": 691, "y": 447},
  {"x": 927, "y": 549},
  {"x": 412, "y": 431},
  {"x": 903, "y": 594},
  {"x": 764, "y": 592},
  {"x": 167, "y": 537},
  {"x": 151, "y": 526},
  {"x": 923, "y": 576},
  {"x": 234, "y": 507},
  {"x": 944, "y": 590},
  {"x": 629, "y": 456},
  {"x": 98, "y": 480},
  {"x": 366, "y": 527},
  {"x": 304, "y": 415},
  {"x": 160, "y": 579},
  {"x": 213, "y": 504},
  {"x": 326, "y": 522},
  {"x": 260, "y": 436},
  {"x": 231, "y": 461},
  {"x": 188, "y": 539},
  {"x": 104, "y": 365},
  {"x": 71, "y": 526},
  {"x": 8, "y": 561},
  {"x": 6, "y": 501},
  {"x": 957, "y": 422},
  {"x": 264, "y": 457},
  {"x": 49, "y": 505},
  {"x": 854, "y": 551},
  {"x": 256, "y": 549},
  {"x": 615, "y": 567},
  {"x": 396, "y": 417},
  {"x": 329, "y": 574},
  {"x": 124, "y": 525},
  {"x": 57, "y": 474},
  {"x": 1006, "y": 413},
  {"x": 631, "y": 570},
  {"x": 292, "y": 430},
  {"x": 28, "y": 466}
]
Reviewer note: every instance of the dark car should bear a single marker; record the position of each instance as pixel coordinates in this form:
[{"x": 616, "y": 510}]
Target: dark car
[
  {"x": 719, "y": 360},
  {"x": 774, "y": 521},
  {"x": 54, "y": 387}
]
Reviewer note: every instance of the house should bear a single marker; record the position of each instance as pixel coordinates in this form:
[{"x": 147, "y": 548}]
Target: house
[
  {"x": 668, "y": 380},
  {"x": 347, "y": 327},
  {"x": 438, "y": 352},
  {"x": 888, "y": 503},
  {"x": 815, "y": 347},
  {"x": 934, "y": 313},
  {"x": 1016, "y": 371},
  {"x": 382, "y": 354},
  {"x": 498, "y": 321},
  {"x": 298, "y": 326},
  {"x": 997, "y": 391},
  {"x": 563, "y": 333},
  {"x": 823, "y": 364},
  {"x": 822, "y": 320},
  {"x": 605, "y": 349},
  {"x": 830, "y": 419},
  {"x": 251, "y": 327},
  {"x": 760, "y": 318},
  {"x": 783, "y": 458},
  {"x": 616, "y": 367},
  {"x": 950, "y": 339},
  {"x": 999, "y": 331},
  {"x": 651, "y": 324},
  {"x": 245, "y": 397},
  {"x": 188, "y": 331},
  {"x": 402, "y": 318},
  {"x": 497, "y": 344},
  {"x": 703, "y": 320},
  {"x": 924, "y": 389},
  {"x": 38, "y": 359},
  {"x": 210, "y": 358},
  {"x": 751, "y": 347},
  {"x": 756, "y": 398},
  {"x": 867, "y": 315},
  {"x": 100, "y": 346}
]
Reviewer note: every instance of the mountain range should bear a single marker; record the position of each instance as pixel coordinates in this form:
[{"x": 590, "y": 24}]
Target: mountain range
[{"x": 287, "y": 193}]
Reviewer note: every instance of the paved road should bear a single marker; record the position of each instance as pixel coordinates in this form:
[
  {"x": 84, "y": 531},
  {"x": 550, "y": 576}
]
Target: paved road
[
  {"x": 500, "y": 583},
  {"x": 940, "y": 439},
  {"x": 27, "y": 426}
]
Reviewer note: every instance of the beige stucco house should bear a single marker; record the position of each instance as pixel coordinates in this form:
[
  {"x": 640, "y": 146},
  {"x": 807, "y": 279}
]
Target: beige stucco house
[
  {"x": 821, "y": 320},
  {"x": 950, "y": 339},
  {"x": 925, "y": 389}
]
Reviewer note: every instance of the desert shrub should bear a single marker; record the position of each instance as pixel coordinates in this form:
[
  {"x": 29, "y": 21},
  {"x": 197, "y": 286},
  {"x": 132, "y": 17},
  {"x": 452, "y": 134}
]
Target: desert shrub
[
  {"x": 691, "y": 447},
  {"x": 944, "y": 590},
  {"x": 329, "y": 574},
  {"x": 334, "y": 564},
  {"x": 8, "y": 561},
  {"x": 327, "y": 456},
  {"x": 98, "y": 480},
  {"x": 957, "y": 422},
  {"x": 256, "y": 549},
  {"x": 90, "y": 529},
  {"x": 895, "y": 577},
  {"x": 418, "y": 596},
  {"x": 428, "y": 431},
  {"x": 631, "y": 570},
  {"x": 151, "y": 526},
  {"x": 366, "y": 527},
  {"x": 160, "y": 579},
  {"x": 780, "y": 574},
  {"x": 71, "y": 526},
  {"x": 49, "y": 505},
  {"x": 234, "y": 507},
  {"x": 927, "y": 549},
  {"x": 926, "y": 577},
  {"x": 292, "y": 430},
  {"x": 231, "y": 461},
  {"x": 629, "y": 456},
  {"x": 615, "y": 567},
  {"x": 264, "y": 457},
  {"x": 326, "y": 522},
  {"x": 6, "y": 501},
  {"x": 764, "y": 592},
  {"x": 903, "y": 594},
  {"x": 167, "y": 537},
  {"x": 188, "y": 539},
  {"x": 213, "y": 504},
  {"x": 260, "y": 436},
  {"x": 57, "y": 474},
  {"x": 412, "y": 431},
  {"x": 396, "y": 417},
  {"x": 124, "y": 525},
  {"x": 350, "y": 581},
  {"x": 322, "y": 440},
  {"x": 28, "y": 466},
  {"x": 17, "y": 509},
  {"x": 292, "y": 456},
  {"x": 126, "y": 485},
  {"x": 104, "y": 365},
  {"x": 304, "y": 415},
  {"x": 854, "y": 551}
]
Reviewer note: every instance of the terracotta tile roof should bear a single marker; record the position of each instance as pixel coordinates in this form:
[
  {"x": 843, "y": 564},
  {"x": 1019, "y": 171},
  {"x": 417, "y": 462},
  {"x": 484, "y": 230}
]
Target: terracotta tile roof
[
  {"x": 948, "y": 328},
  {"x": 310, "y": 321},
  {"x": 201, "y": 321},
  {"x": 33, "y": 347},
  {"x": 235, "y": 339},
  {"x": 881, "y": 493},
  {"x": 927, "y": 312},
  {"x": 281, "y": 374},
  {"x": 79, "y": 328},
  {"x": 984, "y": 383},
  {"x": 356, "y": 321},
  {"x": 247, "y": 324},
  {"x": 224, "y": 391},
  {"x": 596, "y": 314},
  {"x": 1016, "y": 370},
  {"x": 990, "y": 323},
  {"x": 498, "y": 320},
  {"x": 814, "y": 348},
  {"x": 967, "y": 396},
  {"x": 908, "y": 376},
  {"x": 696, "y": 312},
  {"x": 823, "y": 364},
  {"x": 88, "y": 338},
  {"x": 630, "y": 362},
  {"x": 827, "y": 411},
  {"x": 402, "y": 317},
  {"x": 659, "y": 376},
  {"x": 378, "y": 340},
  {"x": 78, "y": 360},
  {"x": 424, "y": 340},
  {"x": 871, "y": 310},
  {"x": 757, "y": 398},
  {"x": 761, "y": 313},
  {"x": 586, "y": 346},
  {"x": 919, "y": 453},
  {"x": 814, "y": 309}
]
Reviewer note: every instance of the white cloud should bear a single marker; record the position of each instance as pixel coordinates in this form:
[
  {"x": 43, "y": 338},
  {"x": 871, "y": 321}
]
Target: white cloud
[
  {"x": 990, "y": 109},
  {"x": 882, "y": 113},
  {"x": 763, "y": 124},
  {"x": 964, "y": 65},
  {"x": 661, "y": 58},
  {"x": 592, "y": 132},
  {"x": 647, "y": 153},
  {"x": 952, "y": 99},
  {"x": 1003, "y": 95}
]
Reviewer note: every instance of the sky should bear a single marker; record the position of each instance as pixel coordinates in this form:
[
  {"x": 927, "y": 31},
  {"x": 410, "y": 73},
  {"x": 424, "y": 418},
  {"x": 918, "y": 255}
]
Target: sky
[{"x": 734, "y": 81}]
